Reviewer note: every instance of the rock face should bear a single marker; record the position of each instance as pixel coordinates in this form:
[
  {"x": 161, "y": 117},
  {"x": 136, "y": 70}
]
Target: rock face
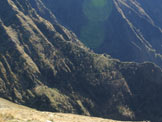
[
  {"x": 129, "y": 30},
  {"x": 43, "y": 65}
]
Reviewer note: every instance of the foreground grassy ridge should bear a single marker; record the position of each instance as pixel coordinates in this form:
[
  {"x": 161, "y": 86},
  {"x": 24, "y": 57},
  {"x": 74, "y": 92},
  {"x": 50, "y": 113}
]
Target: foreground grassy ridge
[
  {"x": 19, "y": 115},
  {"x": 10, "y": 112}
]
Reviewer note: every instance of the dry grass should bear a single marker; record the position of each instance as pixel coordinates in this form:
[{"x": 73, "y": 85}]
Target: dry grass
[
  {"x": 10, "y": 112},
  {"x": 21, "y": 115}
]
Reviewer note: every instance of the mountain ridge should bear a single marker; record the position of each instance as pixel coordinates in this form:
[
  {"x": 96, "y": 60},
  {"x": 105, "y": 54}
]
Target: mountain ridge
[{"x": 130, "y": 25}]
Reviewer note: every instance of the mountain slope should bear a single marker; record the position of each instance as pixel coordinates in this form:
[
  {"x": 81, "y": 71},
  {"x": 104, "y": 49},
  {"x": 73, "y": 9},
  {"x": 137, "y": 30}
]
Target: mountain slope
[
  {"x": 126, "y": 29},
  {"x": 153, "y": 8},
  {"x": 45, "y": 66}
]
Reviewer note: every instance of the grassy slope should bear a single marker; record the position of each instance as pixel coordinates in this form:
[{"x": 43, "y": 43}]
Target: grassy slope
[{"x": 10, "y": 112}]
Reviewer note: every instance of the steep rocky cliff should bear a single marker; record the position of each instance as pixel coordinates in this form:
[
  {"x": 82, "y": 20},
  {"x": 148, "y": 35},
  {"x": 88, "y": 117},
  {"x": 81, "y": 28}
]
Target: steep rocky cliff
[
  {"x": 129, "y": 30},
  {"x": 43, "y": 65}
]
